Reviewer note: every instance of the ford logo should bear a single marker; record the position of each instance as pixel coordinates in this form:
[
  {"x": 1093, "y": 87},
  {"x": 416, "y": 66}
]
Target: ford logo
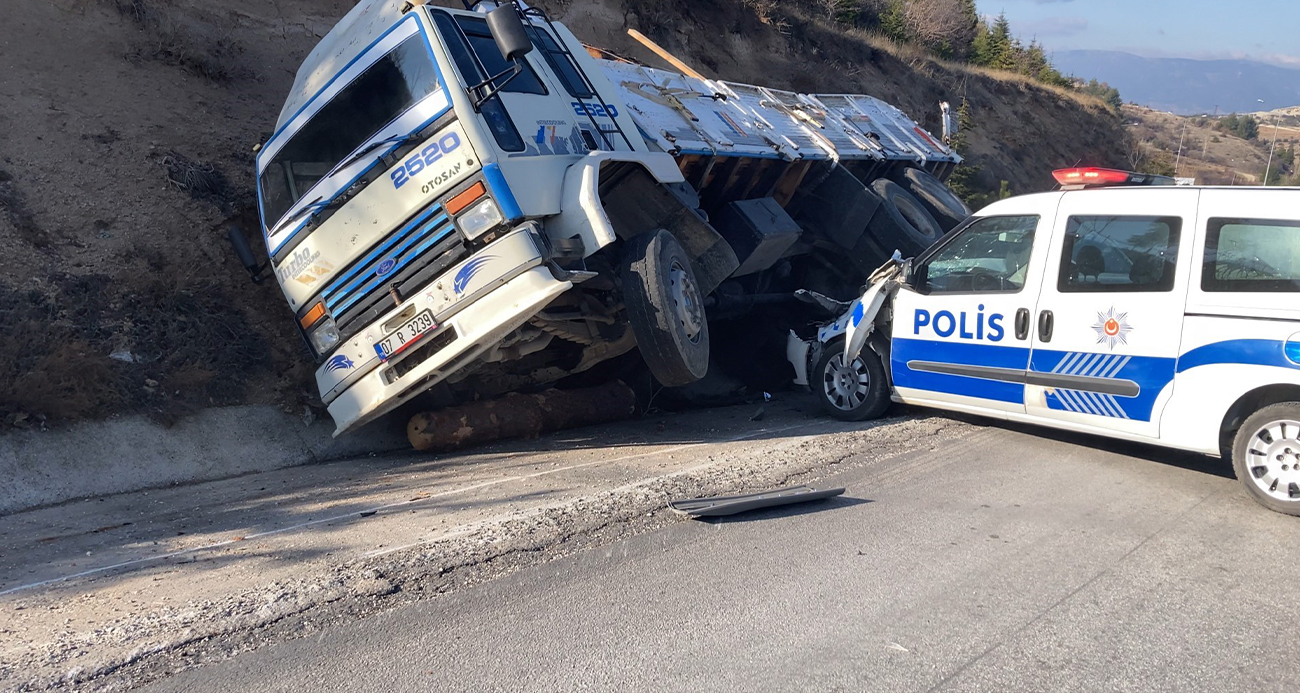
[{"x": 385, "y": 267}]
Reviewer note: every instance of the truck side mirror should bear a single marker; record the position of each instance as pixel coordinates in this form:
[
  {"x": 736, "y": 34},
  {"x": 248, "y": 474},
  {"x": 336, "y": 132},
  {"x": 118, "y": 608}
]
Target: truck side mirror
[
  {"x": 508, "y": 32},
  {"x": 950, "y": 124},
  {"x": 244, "y": 252}
]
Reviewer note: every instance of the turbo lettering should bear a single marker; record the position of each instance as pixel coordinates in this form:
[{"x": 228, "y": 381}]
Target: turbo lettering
[{"x": 297, "y": 264}]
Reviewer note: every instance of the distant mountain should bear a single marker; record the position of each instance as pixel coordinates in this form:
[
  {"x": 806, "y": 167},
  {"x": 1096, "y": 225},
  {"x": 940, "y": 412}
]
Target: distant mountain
[{"x": 1186, "y": 86}]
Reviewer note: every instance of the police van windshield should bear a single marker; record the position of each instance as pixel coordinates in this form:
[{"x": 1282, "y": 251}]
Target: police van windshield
[{"x": 374, "y": 99}]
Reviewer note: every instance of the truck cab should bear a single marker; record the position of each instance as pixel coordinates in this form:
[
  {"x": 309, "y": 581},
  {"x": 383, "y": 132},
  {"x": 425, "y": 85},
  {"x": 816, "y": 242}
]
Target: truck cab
[
  {"x": 1151, "y": 313},
  {"x": 402, "y": 191}
]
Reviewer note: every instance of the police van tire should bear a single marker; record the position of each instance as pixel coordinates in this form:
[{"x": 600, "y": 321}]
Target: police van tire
[
  {"x": 902, "y": 223},
  {"x": 1266, "y": 457},
  {"x": 857, "y": 393},
  {"x": 665, "y": 308},
  {"x": 942, "y": 203}
]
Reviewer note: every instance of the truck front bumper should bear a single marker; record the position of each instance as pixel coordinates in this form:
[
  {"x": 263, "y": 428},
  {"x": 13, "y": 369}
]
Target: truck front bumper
[{"x": 475, "y": 305}]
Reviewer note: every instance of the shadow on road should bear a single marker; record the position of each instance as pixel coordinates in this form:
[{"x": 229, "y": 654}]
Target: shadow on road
[
  {"x": 1190, "y": 461},
  {"x": 786, "y": 511}
]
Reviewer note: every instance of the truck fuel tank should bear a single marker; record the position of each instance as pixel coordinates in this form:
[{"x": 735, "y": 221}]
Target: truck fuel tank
[{"x": 759, "y": 231}]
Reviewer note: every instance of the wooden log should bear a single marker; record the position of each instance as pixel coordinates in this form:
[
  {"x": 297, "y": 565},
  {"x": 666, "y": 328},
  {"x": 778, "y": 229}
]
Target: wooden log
[{"x": 519, "y": 416}]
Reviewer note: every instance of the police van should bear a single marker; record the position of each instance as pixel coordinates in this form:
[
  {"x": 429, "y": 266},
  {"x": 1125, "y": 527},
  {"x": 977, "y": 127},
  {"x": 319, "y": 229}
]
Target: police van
[{"x": 1118, "y": 305}]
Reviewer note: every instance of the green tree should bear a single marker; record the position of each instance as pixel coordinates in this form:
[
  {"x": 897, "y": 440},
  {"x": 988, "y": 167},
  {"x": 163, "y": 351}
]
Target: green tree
[
  {"x": 1285, "y": 156},
  {"x": 981, "y": 47},
  {"x": 1245, "y": 127},
  {"x": 963, "y": 180},
  {"x": 1159, "y": 163},
  {"x": 893, "y": 21},
  {"x": 1002, "y": 46},
  {"x": 1105, "y": 92}
]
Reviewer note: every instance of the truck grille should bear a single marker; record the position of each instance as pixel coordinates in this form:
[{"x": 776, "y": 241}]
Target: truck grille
[{"x": 412, "y": 256}]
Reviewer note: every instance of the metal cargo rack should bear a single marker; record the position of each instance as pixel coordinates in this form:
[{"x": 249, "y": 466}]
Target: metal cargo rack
[{"x": 728, "y": 134}]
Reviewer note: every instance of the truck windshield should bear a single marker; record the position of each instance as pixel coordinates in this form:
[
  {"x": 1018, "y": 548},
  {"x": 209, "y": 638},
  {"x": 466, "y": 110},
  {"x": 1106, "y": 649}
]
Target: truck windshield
[{"x": 374, "y": 99}]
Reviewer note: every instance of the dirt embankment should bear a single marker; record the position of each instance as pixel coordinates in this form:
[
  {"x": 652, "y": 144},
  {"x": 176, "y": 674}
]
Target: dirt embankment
[{"x": 126, "y": 129}]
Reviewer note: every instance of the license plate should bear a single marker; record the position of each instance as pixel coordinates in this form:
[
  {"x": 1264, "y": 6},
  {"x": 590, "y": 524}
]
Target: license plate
[{"x": 405, "y": 336}]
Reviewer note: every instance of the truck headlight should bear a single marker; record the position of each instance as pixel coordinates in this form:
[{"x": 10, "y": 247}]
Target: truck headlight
[
  {"x": 480, "y": 218},
  {"x": 324, "y": 336}
]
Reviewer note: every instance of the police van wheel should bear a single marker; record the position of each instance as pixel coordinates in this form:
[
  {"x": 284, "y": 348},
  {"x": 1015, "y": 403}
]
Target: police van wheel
[
  {"x": 853, "y": 392},
  {"x": 1266, "y": 457},
  {"x": 665, "y": 308}
]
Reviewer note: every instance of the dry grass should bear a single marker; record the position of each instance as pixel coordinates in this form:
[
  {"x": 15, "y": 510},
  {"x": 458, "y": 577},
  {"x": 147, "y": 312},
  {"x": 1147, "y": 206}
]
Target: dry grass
[
  {"x": 90, "y": 346},
  {"x": 1211, "y": 155},
  {"x": 204, "y": 182},
  {"x": 918, "y": 58}
]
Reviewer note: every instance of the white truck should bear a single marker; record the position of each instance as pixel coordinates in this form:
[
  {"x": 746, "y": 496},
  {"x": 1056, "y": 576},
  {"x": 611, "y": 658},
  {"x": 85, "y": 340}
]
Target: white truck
[{"x": 473, "y": 198}]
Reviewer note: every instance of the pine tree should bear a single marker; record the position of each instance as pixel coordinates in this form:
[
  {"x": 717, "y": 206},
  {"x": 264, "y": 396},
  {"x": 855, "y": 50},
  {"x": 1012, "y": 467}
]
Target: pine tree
[
  {"x": 1002, "y": 47},
  {"x": 893, "y": 21},
  {"x": 981, "y": 47}
]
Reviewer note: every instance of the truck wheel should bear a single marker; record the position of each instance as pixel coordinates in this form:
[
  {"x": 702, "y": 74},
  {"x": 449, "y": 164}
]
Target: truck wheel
[
  {"x": 901, "y": 222},
  {"x": 855, "y": 392},
  {"x": 942, "y": 203},
  {"x": 665, "y": 308},
  {"x": 1266, "y": 457}
]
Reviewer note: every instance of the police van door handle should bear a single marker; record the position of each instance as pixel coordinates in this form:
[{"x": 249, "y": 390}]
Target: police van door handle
[
  {"x": 1022, "y": 323},
  {"x": 1045, "y": 326}
]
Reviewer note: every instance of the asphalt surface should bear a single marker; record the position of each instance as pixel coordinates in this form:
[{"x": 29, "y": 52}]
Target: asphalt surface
[{"x": 1002, "y": 561}]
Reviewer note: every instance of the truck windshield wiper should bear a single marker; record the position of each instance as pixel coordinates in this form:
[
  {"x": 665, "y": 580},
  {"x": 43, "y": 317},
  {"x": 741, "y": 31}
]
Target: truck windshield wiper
[
  {"x": 399, "y": 139},
  {"x": 314, "y": 206}
]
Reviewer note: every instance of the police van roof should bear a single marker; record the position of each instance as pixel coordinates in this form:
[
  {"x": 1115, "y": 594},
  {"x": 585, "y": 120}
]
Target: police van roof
[{"x": 1093, "y": 177}]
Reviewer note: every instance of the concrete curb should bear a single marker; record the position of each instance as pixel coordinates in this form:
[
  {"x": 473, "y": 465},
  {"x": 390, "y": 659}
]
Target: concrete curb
[{"x": 133, "y": 453}]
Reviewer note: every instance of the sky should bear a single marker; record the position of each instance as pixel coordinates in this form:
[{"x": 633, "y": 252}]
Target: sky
[{"x": 1262, "y": 30}]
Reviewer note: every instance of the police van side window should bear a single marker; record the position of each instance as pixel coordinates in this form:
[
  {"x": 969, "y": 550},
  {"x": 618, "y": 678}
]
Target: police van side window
[
  {"x": 1258, "y": 255},
  {"x": 1119, "y": 254},
  {"x": 989, "y": 256}
]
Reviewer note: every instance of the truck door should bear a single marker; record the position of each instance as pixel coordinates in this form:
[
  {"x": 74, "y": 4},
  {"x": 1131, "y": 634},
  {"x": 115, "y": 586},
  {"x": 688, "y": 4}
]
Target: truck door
[
  {"x": 960, "y": 336},
  {"x": 528, "y": 117},
  {"x": 1109, "y": 316}
]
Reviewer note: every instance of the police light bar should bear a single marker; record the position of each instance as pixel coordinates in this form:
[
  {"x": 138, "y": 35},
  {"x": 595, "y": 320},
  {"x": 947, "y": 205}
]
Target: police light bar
[{"x": 1072, "y": 178}]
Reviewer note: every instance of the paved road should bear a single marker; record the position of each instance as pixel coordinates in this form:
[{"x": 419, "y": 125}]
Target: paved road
[
  {"x": 1006, "y": 562},
  {"x": 113, "y": 591}
]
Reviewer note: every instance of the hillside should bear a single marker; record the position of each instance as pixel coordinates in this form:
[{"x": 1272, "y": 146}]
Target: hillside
[
  {"x": 1210, "y": 155},
  {"x": 126, "y": 129},
  {"x": 1185, "y": 86}
]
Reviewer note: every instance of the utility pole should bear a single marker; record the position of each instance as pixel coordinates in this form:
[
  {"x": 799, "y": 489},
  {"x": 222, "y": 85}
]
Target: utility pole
[
  {"x": 1179, "y": 159},
  {"x": 1206, "y": 148},
  {"x": 1269, "y": 169}
]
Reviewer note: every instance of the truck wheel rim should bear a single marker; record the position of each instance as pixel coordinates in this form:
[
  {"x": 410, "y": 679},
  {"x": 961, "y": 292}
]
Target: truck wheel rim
[
  {"x": 1273, "y": 458},
  {"x": 687, "y": 299},
  {"x": 846, "y": 387}
]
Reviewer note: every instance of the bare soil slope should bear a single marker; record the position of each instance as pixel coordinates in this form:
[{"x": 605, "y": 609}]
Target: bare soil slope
[{"x": 126, "y": 129}]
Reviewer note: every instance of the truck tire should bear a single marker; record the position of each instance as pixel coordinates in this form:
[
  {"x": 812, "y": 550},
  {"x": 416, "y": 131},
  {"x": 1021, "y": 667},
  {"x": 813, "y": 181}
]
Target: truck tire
[
  {"x": 1266, "y": 457},
  {"x": 854, "y": 393},
  {"x": 942, "y": 203},
  {"x": 901, "y": 222},
  {"x": 665, "y": 308}
]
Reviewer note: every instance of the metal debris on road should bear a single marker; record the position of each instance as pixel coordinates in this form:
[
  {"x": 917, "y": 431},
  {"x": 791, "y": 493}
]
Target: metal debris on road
[{"x": 719, "y": 506}]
